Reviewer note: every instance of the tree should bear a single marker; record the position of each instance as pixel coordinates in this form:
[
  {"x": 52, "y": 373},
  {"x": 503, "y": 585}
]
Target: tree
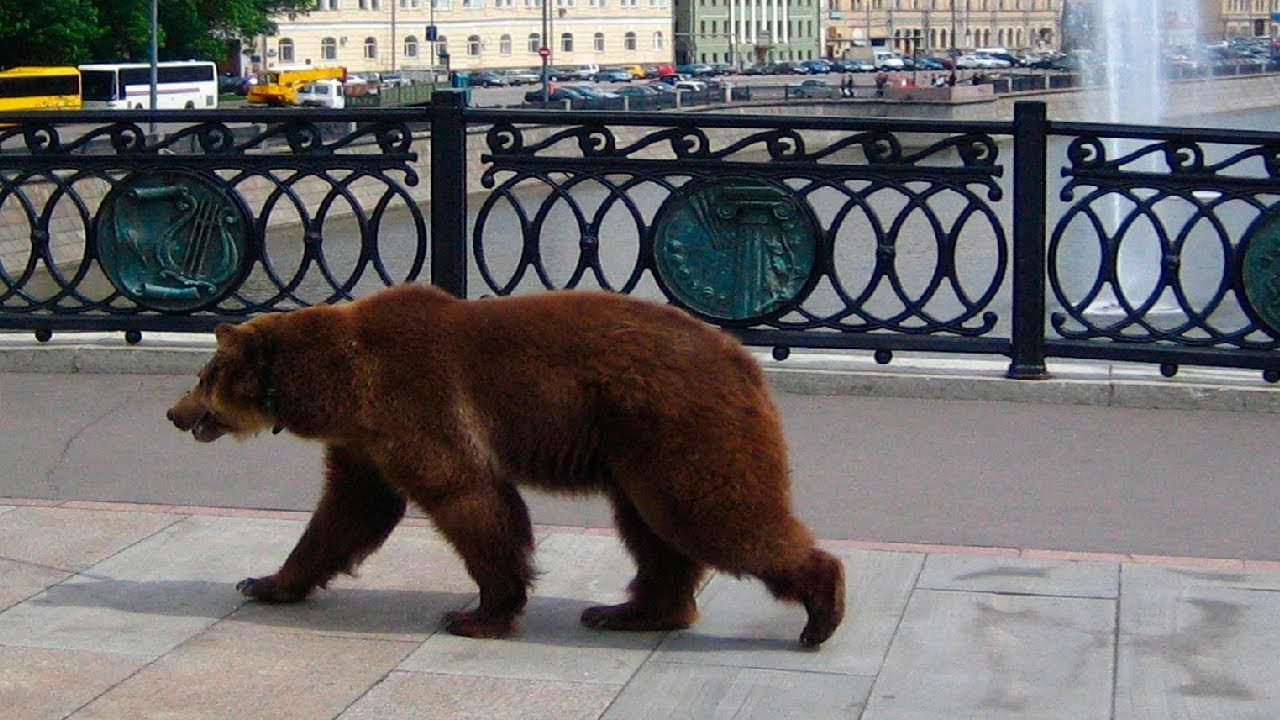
[
  {"x": 43, "y": 32},
  {"x": 47, "y": 32},
  {"x": 188, "y": 28}
]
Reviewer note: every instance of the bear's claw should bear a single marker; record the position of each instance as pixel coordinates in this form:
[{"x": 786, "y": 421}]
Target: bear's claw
[{"x": 265, "y": 589}]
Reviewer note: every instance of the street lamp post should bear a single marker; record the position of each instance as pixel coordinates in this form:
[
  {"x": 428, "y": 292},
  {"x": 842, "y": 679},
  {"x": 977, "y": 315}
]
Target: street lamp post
[{"x": 545, "y": 51}]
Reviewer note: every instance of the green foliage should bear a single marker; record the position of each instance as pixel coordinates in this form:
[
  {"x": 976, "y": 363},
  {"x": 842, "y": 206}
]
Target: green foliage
[{"x": 45, "y": 32}]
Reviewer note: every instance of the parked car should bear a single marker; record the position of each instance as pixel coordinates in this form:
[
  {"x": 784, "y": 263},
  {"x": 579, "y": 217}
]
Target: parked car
[
  {"x": 594, "y": 93},
  {"x": 489, "y": 78},
  {"x": 637, "y": 71},
  {"x": 928, "y": 63},
  {"x": 817, "y": 67},
  {"x": 636, "y": 91},
  {"x": 522, "y": 76},
  {"x": 690, "y": 85},
  {"x": 229, "y": 83},
  {"x": 558, "y": 93},
  {"x": 812, "y": 88},
  {"x": 613, "y": 75},
  {"x": 695, "y": 70},
  {"x": 722, "y": 68},
  {"x": 577, "y": 72},
  {"x": 890, "y": 61},
  {"x": 392, "y": 79},
  {"x": 322, "y": 93}
]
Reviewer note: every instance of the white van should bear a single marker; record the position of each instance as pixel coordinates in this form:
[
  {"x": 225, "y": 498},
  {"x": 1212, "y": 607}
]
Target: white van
[{"x": 322, "y": 93}]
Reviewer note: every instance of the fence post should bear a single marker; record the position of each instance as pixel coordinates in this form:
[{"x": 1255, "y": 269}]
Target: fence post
[
  {"x": 449, "y": 192},
  {"x": 1030, "y": 165}
]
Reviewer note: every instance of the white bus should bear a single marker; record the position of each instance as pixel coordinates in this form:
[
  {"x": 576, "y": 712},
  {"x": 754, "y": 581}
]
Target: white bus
[{"x": 187, "y": 84}]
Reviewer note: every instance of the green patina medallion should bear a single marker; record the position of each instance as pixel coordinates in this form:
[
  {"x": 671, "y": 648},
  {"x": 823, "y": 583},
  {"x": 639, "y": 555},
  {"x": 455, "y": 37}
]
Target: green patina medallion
[
  {"x": 1260, "y": 272},
  {"x": 172, "y": 241},
  {"x": 735, "y": 249}
]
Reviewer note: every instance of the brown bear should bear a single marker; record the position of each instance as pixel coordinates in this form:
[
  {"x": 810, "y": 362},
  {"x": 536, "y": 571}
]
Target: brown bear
[{"x": 450, "y": 404}]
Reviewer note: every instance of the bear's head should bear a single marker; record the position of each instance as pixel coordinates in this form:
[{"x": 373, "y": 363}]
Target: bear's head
[{"x": 234, "y": 393}]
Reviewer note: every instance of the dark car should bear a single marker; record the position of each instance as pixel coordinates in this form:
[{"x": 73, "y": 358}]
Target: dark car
[
  {"x": 812, "y": 89},
  {"x": 489, "y": 78},
  {"x": 928, "y": 63},
  {"x": 229, "y": 83},
  {"x": 695, "y": 70},
  {"x": 557, "y": 95},
  {"x": 817, "y": 67},
  {"x": 613, "y": 75}
]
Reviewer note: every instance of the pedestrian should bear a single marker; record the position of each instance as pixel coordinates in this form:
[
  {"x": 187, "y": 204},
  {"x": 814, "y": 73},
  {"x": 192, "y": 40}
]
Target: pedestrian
[
  {"x": 951, "y": 79},
  {"x": 882, "y": 79}
]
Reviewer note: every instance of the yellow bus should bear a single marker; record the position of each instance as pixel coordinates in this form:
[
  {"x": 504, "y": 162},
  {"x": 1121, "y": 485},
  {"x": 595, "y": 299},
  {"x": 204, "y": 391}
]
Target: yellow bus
[
  {"x": 39, "y": 88},
  {"x": 280, "y": 85}
]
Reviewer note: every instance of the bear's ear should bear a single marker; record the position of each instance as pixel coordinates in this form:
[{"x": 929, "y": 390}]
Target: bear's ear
[
  {"x": 247, "y": 340},
  {"x": 225, "y": 334}
]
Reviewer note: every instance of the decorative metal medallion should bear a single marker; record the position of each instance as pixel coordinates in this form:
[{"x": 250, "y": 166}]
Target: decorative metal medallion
[
  {"x": 1260, "y": 272},
  {"x": 172, "y": 240},
  {"x": 735, "y": 249}
]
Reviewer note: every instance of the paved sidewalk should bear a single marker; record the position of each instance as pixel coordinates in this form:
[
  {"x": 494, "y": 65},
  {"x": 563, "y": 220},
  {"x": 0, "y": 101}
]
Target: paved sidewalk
[{"x": 129, "y": 611}]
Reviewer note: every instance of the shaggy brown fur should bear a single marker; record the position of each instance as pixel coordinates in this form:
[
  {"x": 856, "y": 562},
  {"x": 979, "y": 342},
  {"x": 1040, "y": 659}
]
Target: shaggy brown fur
[{"x": 420, "y": 397}]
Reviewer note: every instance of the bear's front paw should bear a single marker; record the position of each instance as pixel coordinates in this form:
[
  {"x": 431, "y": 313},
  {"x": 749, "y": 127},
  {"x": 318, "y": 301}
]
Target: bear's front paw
[
  {"x": 267, "y": 589},
  {"x": 475, "y": 624}
]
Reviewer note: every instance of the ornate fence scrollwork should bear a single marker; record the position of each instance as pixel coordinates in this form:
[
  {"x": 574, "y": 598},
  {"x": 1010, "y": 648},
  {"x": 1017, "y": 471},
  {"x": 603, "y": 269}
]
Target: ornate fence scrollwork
[
  {"x": 110, "y": 224},
  {"x": 853, "y": 230}
]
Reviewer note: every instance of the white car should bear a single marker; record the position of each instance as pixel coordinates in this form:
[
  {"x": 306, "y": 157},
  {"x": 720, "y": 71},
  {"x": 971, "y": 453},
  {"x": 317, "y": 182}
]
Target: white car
[
  {"x": 690, "y": 85},
  {"x": 322, "y": 93},
  {"x": 890, "y": 62}
]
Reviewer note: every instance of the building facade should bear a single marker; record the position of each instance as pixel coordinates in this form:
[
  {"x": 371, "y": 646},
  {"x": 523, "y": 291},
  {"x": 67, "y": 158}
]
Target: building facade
[
  {"x": 938, "y": 26},
  {"x": 396, "y": 35},
  {"x": 1245, "y": 18},
  {"x": 743, "y": 32}
]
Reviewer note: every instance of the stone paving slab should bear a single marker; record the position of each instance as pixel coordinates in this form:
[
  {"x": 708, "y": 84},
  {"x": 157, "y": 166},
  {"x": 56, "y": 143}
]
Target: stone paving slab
[
  {"x": 414, "y": 694},
  {"x": 1198, "y": 644},
  {"x": 1020, "y": 576},
  {"x": 243, "y": 670},
  {"x": 550, "y": 643},
  {"x": 990, "y": 656},
  {"x": 683, "y": 692},
  {"x": 153, "y": 628},
  {"x": 742, "y": 625},
  {"x": 49, "y": 684}
]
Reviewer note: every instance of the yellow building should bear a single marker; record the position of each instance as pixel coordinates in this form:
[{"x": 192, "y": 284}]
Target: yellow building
[
  {"x": 935, "y": 26},
  {"x": 394, "y": 35},
  {"x": 1243, "y": 18}
]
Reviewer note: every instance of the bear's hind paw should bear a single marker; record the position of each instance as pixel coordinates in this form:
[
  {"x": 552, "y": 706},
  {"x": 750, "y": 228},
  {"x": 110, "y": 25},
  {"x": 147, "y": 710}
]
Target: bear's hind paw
[
  {"x": 631, "y": 617},
  {"x": 266, "y": 589},
  {"x": 475, "y": 624}
]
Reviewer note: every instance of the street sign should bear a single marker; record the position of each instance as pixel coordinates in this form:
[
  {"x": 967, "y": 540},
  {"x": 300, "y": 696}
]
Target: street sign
[
  {"x": 543, "y": 52},
  {"x": 432, "y": 33}
]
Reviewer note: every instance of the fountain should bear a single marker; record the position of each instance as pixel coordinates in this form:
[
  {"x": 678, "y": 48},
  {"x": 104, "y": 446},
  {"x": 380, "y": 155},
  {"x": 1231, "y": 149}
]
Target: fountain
[{"x": 1135, "y": 34}]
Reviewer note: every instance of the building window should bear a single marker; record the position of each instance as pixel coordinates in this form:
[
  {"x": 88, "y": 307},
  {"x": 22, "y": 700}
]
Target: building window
[
  {"x": 597, "y": 42},
  {"x": 473, "y": 3},
  {"x": 370, "y": 48},
  {"x": 329, "y": 49},
  {"x": 504, "y": 45},
  {"x": 535, "y": 42},
  {"x": 658, "y": 41},
  {"x": 411, "y": 46},
  {"x": 566, "y": 42},
  {"x": 473, "y": 46},
  {"x": 286, "y": 50},
  {"x": 629, "y": 41},
  {"x": 334, "y": 5}
]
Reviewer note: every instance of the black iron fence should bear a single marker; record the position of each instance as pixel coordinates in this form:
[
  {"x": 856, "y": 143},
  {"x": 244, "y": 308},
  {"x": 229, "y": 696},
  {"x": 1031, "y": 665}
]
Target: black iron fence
[{"x": 1029, "y": 239}]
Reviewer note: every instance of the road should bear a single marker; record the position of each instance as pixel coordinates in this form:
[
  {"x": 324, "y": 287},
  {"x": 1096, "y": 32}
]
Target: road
[{"x": 1101, "y": 479}]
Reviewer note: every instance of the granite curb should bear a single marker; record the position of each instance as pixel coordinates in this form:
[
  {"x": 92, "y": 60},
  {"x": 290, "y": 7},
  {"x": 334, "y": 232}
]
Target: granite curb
[{"x": 1093, "y": 383}]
